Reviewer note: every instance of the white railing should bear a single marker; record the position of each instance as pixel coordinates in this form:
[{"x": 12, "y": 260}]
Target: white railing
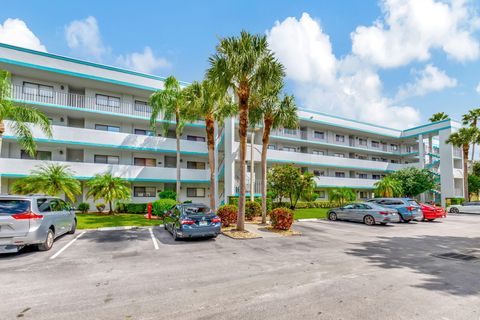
[{"x": 257, "y": 186}]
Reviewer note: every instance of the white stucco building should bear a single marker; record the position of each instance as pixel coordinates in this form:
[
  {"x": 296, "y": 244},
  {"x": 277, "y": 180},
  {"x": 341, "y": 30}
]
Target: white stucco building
[{"x": 100, "y": 121}]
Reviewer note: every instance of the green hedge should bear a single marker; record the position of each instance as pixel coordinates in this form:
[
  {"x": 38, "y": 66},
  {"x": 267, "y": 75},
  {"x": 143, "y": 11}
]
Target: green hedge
[
  {"x": 162, "y": 205},
  {"x": 139, "y": 208},
  {"x": 454, "y": 201},
  {"x": 233, "y": 200}
]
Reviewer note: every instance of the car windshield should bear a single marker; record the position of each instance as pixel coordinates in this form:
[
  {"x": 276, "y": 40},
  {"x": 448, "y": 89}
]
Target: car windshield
[
  {"x": 196, "y": 210},
  {"x": 9, "y": 207}
]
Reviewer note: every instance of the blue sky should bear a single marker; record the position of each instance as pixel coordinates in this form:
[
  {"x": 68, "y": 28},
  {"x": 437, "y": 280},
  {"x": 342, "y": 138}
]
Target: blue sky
[{"x": 389, "y": 62}]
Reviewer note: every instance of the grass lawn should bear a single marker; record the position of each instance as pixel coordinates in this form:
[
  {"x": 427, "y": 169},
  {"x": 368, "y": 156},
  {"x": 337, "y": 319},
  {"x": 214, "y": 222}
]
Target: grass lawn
[
  {"x": 319, "y": 213},
  {"x": 93, "y": 221}
]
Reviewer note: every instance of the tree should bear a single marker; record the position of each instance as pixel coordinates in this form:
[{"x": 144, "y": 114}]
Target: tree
[
  {"x": 244, "y": 65},
  {"x": 341, "y": 195},
  {"x": 473, "y": 185},
  {"x": 439, "y": 116},
  {"x": 203, "y": 99},
  {"x": 168, "y": 103},
  {"x": 20, "y": 116},
  {"x": 462, "y": 139},
  {"x": 476, "y": 168},
  {"x": 50, "y": 179},
  {"x": 109, "y": 188},
  {"x": 471, "y": 118},
  {"x": 388, "y": 187},
  {"x": 414, "y": 181}
]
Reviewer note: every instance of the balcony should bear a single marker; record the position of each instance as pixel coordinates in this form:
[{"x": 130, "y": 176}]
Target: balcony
[
  {"x": 333, "y": 182},
  {"x": 20, "y": 168}
]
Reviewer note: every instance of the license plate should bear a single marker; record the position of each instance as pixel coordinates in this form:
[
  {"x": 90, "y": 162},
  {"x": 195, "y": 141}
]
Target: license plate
[{"x": 202, "y": 223}]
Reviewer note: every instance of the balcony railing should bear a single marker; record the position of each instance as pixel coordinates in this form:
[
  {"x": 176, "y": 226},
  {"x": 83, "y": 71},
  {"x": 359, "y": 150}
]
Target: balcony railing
[{"x": 257, "y": 186}]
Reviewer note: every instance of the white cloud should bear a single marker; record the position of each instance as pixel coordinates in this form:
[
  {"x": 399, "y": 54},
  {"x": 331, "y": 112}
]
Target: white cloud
[
  {"x": 477, "y": 88},
  {"x": 145, "y": 61},
  {"x": 17, "y": 33},
  {"x": 428, "y": 80},
  {"x": 412, "y": 28},
  {"x": 84, "y": 37},
  {"x": 347, "y": 87}
]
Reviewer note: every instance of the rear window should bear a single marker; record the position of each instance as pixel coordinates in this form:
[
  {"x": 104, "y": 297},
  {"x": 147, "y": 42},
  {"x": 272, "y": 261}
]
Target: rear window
[
  {"x": 9, "y": 207},
  {"x": 196, "y": 210},
  {"x": 413, "y": 203}
]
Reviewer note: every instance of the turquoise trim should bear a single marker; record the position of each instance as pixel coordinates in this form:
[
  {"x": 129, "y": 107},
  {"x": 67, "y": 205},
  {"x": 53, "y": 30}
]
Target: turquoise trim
[
  {"x": 334, "y": 186},
  {"x": 222, "y": 172},
  {"x": 433, "y": 155},
  {"x": 428, "y": 124},
  {"x": 248, "y": 194},
  {"x": 329, "y": 166},
  {"x": 90, "y": 144},
  {"x": 424, "y": 132},
  {"x": 51, "y": 105},
  {"x": 11, "y": 175}
]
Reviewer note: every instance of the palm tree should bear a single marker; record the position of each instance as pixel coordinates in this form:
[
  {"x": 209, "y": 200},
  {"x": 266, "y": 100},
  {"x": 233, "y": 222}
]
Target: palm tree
[
  {"x": 168, "y": 103},
  {"x": 471, "y": 118},
  {"x": 50, "y": 179},
  {"x": 203, "y": 99},
  {"x": 244, "y": 65},
  {"x": 388, "y": 187},
  {"x": 341, "y": 195},
  {"x": 462, "y": 139},
  {"x": 109, "y": 188},
  {"x": 20, "y": 116},
  {"x": 439, "y": 116}
]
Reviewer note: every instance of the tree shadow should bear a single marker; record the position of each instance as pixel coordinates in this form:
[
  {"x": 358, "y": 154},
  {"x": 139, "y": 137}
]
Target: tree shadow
[{"x": 420, "y": 254}]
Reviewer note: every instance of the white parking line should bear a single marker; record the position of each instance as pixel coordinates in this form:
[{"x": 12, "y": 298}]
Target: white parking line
[
  {"x": 67, "y": 245},
  {"x": 155, "y": 244}
]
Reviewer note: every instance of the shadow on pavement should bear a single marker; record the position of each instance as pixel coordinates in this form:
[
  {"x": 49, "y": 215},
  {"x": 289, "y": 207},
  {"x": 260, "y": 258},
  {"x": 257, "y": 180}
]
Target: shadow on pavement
[{"x": 165, "y": 237}]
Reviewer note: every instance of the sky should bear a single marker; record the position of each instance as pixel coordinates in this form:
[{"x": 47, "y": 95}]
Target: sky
[{"x": 389, "y": 62}]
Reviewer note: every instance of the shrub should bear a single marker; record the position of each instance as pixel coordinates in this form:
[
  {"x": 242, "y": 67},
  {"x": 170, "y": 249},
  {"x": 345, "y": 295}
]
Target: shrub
[
  {"x": 162, "y": 205},
  {"x": 121, "y": 207},
  {"x": 281, "y": 218},
  {"x": 167, "y": 194},
  {"x": 100, "y": 207},
  {"x": 139, "y": 208},
  {"x": 228, "y": 214},
  {"x": 233, "y": 200},
  {"x": 83, "y": 207},
  {"x": 252, "y": 209}
]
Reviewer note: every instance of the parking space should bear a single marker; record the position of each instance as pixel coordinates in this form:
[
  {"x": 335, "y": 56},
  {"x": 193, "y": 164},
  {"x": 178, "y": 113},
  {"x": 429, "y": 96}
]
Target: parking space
[{"x": 334, "y": 270}]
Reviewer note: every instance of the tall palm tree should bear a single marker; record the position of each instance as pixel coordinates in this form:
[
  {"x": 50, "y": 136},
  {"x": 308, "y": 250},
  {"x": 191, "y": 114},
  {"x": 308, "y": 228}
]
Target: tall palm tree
[
  {"x": 109, "y": 188},
  {"x": 50, "y": 179},
  {"x": 203, "y": 99},
  {"x": 244, "y": 65},
  {"x": 341, "y": 195},
  {"x": 462, "y": 139},
  {"x": 388, "y": 187},
  {"x": 439, "y": 116},
  {"x": 168, "y": 103},
  {"x": 471, "y": 119},
  {"x": 21, "y": 116}
]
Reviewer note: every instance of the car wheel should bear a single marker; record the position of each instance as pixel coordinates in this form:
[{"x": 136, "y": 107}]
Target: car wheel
[
  {"x": 430, "y": 220},
  {"x": 454, "y": 210},
  {"x": 332, "y": 216},
  {"x": 369, "y": 220},
  {"x": 165, "y": 226},
  {"x": 175, "y": 235},
  {"x": 48, "y": 243},
  {"x": 73, "y": 228},
  {"x": 383, "y": 223}
]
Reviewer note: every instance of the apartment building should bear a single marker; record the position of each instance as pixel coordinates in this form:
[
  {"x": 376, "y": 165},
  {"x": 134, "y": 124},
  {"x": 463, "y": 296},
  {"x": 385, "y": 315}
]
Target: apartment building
[{"x": 100, "y": 119}]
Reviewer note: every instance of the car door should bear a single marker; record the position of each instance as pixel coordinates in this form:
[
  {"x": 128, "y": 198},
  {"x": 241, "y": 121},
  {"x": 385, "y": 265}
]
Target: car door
[
  {"x": 345, "y": 212},
  {"x": 49, "y": 218},
  {"x": 65, "y": 214},
  {"x": 361, "y": 210}
]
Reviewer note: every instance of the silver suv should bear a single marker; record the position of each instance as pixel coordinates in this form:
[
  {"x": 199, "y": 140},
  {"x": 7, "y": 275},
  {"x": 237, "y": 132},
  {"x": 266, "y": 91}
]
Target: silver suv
[{"x": 33, "y": 220}]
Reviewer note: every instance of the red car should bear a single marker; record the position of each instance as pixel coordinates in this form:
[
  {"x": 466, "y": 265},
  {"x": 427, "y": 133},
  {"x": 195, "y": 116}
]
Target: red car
[{"x": 431, "y": 212}]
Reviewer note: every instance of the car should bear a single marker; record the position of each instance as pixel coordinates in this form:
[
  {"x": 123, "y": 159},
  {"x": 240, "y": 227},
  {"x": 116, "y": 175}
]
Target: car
[
  {"x": 368, "y": 213},
  {"x": 33, "y": 220},
  {"x": 408, "y": 209},
  {"x": 466, "y": 207},
  {"x": 432, "y": 212},
  {"x": 191, "y": 220}
]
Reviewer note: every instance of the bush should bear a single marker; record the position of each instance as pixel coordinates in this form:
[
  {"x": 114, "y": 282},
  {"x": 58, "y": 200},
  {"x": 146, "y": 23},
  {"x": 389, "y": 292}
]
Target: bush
[
  {"x": 83, "y": 207},
  {"x": 233, "y": 200},
  {"x": 228, "y": 214},
  {"x": 281, "y": 218},
  {"x": 454, "y": 201},
  {"x": 121, "y": 207},
  {"x": 139, "y": 208},
  {"x": 252, "y": 209},
  {"x": 167, "y": 194},
  {"x": 100, "y": 207},
  {"x": 162, "y": 205}
]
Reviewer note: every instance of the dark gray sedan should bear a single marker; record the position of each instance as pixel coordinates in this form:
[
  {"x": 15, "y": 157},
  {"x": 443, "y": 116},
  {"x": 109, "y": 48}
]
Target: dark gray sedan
[
  {"x": 368, "y": 213},
  {"x": 190, "y": 220}
]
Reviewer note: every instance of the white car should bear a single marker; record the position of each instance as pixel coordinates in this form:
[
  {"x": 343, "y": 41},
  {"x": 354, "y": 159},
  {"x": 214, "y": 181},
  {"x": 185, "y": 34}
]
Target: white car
[{"x": 466, "y": 207}]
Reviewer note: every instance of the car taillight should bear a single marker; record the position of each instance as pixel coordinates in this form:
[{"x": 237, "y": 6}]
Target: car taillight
[
  {"x": 187, "y": 221},
  {"x": 26, "y": 216},
  {"x": 410, "y": 208},
  {"x": 385, "y": 213},
  {"x": 216, "y": 220}
]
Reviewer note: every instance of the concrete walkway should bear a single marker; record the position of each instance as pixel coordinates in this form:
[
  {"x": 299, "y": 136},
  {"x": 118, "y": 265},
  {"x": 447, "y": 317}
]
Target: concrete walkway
[{"x": 257, "y": 229}]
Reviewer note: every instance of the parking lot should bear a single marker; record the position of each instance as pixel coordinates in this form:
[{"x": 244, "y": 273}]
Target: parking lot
[{"x": 335, "y": 270}]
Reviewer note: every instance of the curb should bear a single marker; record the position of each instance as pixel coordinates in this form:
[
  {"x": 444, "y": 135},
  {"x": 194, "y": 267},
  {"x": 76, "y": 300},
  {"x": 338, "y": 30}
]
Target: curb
[
  {"x": 122, "y": 228},
  {"x": 310, "y": 219}
]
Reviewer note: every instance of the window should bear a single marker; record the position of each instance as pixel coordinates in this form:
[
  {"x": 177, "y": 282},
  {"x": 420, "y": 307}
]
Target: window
[
  {"x": 339, "y": 138},
  {"x": 394, "y": 161},
  {"x": 319, "y": 135},
  {"x": 394, "y": 147},
  {"x": 39, "y": 155},
  {"x": 362, "y": 142},
  {"x": 142, "y": 106},
  {"x": 376, "y": 159},
  {"x": 144, "y": 192},
  {"x": 318, "y": 152},
  {"x": 38, "y": 89},
  {"x": 107, "y": 101},
  {"x": 106, "y": 159},
  {"x": 376, "y": 176},
  {"x": 195, "y": 138},
  {"x": 340, "y": 174},
  {"x": 363, "y": 194},
  {"x": 290, "y": 131},
  {"x": 375, "y": 144},
  {"x": 408, "y": 149},
  {"x": 170, "y": 162},
  {"x": 106, "y": 127},
  {"x": 290, "y": 149},
  {"x": 195, "y": 165},
  {"x": 144, "y": 162},
  {"x": 361, "y": 157},
  {"x": 272, "y": 147},
  {"x": 339, "y": 155},
  {"x": 43, "y": 205},
  {"x": 169, "y": 186},
  {"x": 195, "y": 192},
  {"x": 143, "y": 132},
  {"x": 321, "y": 194},
  {"x": 362, "y": 176},
  {"x": 319, "y": 173}
]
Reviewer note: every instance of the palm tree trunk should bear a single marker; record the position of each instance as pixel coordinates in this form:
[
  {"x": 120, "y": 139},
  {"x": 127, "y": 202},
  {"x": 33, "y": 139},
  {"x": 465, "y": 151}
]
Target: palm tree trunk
[
  {"x": 110, "y": 206},
  {"x": 243, "y": 94},
  {"x": 267, "y": 126},
  {"x": 474, "y": 124},
  {"x": 177, "y": 136},
  {"x": 252, "y": 169},
  {"x": 465, "y": 170},
  {"x": 210, "y": 128}
]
